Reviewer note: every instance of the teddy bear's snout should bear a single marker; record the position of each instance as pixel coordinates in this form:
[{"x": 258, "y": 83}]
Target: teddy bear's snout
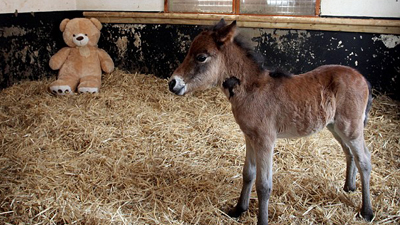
[{"x": 81, "y": 39}]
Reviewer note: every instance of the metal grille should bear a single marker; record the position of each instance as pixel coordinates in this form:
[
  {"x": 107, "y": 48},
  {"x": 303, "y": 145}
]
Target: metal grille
[
  {"x": 278, "y": 7},
  {"x": 207, "y": 6}
]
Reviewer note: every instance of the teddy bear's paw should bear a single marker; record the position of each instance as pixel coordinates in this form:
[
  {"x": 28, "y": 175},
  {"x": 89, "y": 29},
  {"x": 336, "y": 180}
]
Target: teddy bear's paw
[
  {"x": 91, "y": 90},
  {"x": 61, "y": 90}
]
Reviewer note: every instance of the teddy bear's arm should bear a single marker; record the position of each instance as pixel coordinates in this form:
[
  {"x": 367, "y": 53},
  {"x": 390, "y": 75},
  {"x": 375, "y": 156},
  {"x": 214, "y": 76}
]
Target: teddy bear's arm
[
  {"x": 57, "y": 60},
  {"x": 107, "y": 64}
]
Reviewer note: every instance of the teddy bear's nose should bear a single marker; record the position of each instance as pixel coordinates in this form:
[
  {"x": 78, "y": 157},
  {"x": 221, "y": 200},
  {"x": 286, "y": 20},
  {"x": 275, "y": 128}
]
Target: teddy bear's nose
[{"x": 80, "y": 38}]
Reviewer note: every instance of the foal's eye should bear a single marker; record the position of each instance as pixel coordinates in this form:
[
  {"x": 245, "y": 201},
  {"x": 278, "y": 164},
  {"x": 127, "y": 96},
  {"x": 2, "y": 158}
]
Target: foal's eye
[{"x": 201, "y": 58}]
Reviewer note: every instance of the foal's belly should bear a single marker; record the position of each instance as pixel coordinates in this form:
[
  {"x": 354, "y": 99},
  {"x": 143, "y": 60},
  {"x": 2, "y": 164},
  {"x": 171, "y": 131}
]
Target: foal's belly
[
  {"x": 304, "y": 123},
  {"x": 293, "y": 132}
]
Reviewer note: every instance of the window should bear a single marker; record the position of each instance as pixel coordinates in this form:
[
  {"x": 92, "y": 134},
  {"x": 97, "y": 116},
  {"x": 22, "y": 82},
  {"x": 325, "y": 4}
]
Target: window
[
  {"x": 260, "y": 7},
  {"x": 204, "y": 6},
  {"x": 278, "y": 7}
]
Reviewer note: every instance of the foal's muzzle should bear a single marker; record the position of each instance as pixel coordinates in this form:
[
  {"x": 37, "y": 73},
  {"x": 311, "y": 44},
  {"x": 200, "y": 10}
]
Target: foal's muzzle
[{"x": 177, "y": 85}]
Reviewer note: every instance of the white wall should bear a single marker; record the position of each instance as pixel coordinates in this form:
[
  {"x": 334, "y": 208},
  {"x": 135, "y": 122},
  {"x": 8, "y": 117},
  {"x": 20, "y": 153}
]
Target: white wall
[
  {"x": 9, "y": 6},
  {"x": 352, "y": 8},
  {"x": 121, "y": 5},
  {"x": 361, "y": 8}
]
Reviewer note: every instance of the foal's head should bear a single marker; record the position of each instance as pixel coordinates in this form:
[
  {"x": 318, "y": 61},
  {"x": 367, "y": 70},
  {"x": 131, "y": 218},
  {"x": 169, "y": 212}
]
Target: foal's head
[{"x": 204, "y": 63}]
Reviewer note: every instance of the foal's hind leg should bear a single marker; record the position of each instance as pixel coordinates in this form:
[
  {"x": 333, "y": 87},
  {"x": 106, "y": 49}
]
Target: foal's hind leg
[
  {"x": 351, "y": 169},
  {"x": 354, "y": 138}
]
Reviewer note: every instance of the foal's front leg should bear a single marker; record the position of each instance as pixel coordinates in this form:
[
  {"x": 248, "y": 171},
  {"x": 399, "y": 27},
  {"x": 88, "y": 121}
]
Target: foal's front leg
[
  {"x": 264, "y": 155},
  {"x": 249, "y": 175}
]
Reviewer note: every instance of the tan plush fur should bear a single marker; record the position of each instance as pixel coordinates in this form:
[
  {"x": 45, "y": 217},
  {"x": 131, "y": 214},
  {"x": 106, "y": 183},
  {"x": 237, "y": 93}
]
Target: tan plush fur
[{"x": 82, "y": 62}]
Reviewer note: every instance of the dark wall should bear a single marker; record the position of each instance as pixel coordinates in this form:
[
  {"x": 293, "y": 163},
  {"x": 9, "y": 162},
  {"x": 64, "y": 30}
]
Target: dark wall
[
  {"x": 376, "y": 56},
  {"x": 29, "y": 40}
]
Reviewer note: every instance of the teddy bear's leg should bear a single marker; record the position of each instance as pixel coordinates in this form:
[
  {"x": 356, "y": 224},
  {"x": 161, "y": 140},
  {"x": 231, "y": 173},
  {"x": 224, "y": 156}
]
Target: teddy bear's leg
[
  {"x": 64, "y": 85},
  {"x": 89, "y": 84}
]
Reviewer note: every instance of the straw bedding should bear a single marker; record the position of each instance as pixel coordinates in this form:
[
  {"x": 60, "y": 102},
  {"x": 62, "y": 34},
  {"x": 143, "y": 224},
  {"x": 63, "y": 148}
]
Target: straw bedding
[{"x": 137, "y": 154}]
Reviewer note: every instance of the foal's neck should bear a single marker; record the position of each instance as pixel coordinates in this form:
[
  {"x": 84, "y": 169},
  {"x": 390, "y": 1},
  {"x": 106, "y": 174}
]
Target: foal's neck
[{"x": 241, "y": 71}]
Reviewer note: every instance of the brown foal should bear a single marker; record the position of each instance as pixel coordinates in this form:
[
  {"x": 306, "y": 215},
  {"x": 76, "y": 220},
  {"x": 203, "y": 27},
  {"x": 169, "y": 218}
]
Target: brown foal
[{"x": 269, "y": 105}]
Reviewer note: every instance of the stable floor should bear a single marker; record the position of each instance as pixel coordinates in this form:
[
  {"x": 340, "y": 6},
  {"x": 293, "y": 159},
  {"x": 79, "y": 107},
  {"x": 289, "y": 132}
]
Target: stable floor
[{"x": 137, "y": 154}]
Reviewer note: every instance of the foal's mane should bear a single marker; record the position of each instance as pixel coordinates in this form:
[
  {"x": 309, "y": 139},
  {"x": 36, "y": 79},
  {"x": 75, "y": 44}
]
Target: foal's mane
[
  {"x": 259, "y": 59},
  {"x": 256, "y": 57}
]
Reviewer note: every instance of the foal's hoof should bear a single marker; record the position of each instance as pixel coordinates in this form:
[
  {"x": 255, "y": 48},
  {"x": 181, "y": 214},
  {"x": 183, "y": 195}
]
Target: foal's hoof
[
  {"x": 236, "y": 212},
  {"x": 368, "y": 215},
  {"x": 349, "y": 188}
]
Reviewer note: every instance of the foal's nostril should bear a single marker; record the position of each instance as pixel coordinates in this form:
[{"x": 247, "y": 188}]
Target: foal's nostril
[
  {"x": 80, "y": 38},
  {"x": 171, "y": 85}
]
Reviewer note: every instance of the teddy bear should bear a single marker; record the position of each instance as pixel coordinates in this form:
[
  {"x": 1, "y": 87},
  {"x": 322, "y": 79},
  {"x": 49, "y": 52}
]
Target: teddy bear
[{"x": 82, "y": 62}]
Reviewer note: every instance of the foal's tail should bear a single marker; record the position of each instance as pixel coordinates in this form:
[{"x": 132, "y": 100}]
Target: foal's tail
[{"x": 369, "y": 103}]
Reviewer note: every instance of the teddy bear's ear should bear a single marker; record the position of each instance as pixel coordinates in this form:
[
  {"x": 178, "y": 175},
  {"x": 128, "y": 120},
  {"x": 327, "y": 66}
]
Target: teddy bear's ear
[
  {"x": 97, "y": 23},
  {"x": 63, "y": 24}
]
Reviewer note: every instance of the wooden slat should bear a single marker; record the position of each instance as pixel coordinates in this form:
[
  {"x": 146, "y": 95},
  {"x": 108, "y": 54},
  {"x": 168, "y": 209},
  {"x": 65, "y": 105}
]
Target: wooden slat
[
  {"x": 285, "y": 22},
  {"x": 317, "y": 7},
  {"x": 236, "y": 6},
  {"x": 166, "y": 9}
]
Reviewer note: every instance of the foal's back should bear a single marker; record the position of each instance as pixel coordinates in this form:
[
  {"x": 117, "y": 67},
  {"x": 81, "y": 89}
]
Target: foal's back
[{"x": 304, "y": 104}]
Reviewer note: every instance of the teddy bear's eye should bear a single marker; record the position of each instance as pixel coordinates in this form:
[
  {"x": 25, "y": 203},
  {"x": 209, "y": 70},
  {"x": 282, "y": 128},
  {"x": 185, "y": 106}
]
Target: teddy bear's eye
[
  {"x": 85, "y": 34},
  {"x": 73, "y": 35}
]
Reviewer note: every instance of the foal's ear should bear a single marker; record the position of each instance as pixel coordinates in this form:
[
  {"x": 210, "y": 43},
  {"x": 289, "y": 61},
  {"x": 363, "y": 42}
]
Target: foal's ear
[
  {"x": 219, "y": 25},
  {"x": 226, "y": 34}
]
